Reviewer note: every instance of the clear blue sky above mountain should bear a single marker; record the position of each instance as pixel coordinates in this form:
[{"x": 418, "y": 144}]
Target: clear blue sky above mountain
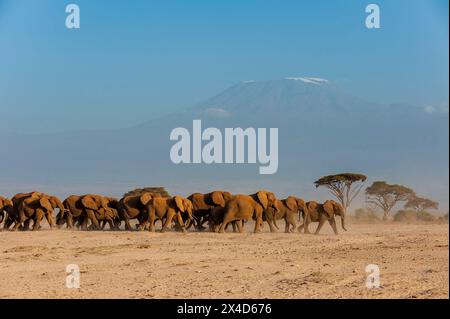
[{"x": 134, "y": 60}]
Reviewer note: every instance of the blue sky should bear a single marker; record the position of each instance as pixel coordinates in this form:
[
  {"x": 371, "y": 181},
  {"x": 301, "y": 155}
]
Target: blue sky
[{"x": 135, "y": 60}]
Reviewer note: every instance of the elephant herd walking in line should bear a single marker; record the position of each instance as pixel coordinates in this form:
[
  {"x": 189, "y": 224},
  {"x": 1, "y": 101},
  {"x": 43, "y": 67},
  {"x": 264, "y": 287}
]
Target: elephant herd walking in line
[{"x": 217, "y": 210}]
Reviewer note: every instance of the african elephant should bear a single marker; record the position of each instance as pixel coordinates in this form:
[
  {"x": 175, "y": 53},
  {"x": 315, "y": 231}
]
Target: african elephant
[
  {"x": 135, "y": 206},
  {"x": 13, "y": 215},
  {"x": 36, "y": 207},
  {"x": 90, "y": 207},
  {"x": 288, "y": 209},
  {"x": 244, "y": 207},
  {"x": 216, "y": 219},
  {"x": 204, "y": 204},
  {"x": 166, "y": 209},
  {"x": 321, "y": 213},
  {"x": 5, "y": 207}
]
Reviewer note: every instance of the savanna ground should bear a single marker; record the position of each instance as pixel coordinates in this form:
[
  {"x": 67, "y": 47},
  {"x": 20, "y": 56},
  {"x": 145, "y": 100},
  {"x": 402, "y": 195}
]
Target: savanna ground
[{"x": 413, "y": 261}]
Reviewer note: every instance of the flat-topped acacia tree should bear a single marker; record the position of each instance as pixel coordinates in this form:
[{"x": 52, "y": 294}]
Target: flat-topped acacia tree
[
  {"x": 420, "y": 203},
  {"x": 386, "y": 196},
  {"x": 341, "y": 186}
]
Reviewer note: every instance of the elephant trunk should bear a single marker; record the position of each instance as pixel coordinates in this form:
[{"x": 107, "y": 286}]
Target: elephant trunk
[{"x": 343, "y": 222}]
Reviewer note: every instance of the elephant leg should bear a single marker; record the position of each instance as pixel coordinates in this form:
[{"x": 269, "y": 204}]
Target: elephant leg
[
  {"x": 234, "y": 225},
  {"x": 290, "y": 221},
  {"x": 26, "y": 224},
  {"x": 151, "y": 223},
  {"x": 306, "y": 222},
  {"x": 93, "y": 219},
  {"x": 271, "y": 226},
  {"x": 259, "y": 222},
  {"x": 83, "y": 223},
  {"x": 69, "y": 221},
  {"x": 287, "y": 226},
  {"x": 127, "y": 223},
  {"x": 332, "y": 222},
  {"x": 110, "y": 223},
  {"x": 224, "y": 224},
  {"x": 181, "y": 223},
  {"x": 240, "y": 226},
  {"x": 322, "y": 221},
  {"x": 50, "y": 219},
  {"x": 39, "y": 215},
  {"x": 166, "y": 225}
]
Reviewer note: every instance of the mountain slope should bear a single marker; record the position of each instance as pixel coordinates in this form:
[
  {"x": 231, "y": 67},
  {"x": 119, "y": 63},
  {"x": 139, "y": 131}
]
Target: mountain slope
[{"x": 322, "y": 130}]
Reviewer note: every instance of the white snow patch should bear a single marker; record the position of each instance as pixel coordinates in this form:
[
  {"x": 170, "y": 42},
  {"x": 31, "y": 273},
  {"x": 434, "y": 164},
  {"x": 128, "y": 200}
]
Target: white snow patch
[
  {"x": 309, "y": 80},
  {"x": 217, "y": 112}
]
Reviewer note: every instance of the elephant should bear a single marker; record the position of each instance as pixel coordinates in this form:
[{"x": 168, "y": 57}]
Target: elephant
[
  {"x": 216, "y": 219},
  {"x": 204, "y": 204},
  {"x": 321, "y": 213},
  {"x": 244, "y": 207},
  {"x": 35, "y": 207},
  {"x": 5, "y": 208},
  {"x": 288, "y": 209},
  {"x": 13, "y": 215},
  {"x": 135, "y": 206},
  {"x": 166, "y": 209},
  {"x": 89, "y": 207}
]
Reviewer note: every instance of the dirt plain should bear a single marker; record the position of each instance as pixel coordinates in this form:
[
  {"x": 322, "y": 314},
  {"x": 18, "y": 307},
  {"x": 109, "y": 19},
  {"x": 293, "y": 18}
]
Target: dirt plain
[{"x": 413, "y": 261}]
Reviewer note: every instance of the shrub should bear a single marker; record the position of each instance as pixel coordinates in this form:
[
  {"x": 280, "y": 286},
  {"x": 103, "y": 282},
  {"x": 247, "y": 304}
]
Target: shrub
[
  {"x": 405, "y": 216},
  {"x": 425, "y": 216},
  {"x": 364, "y": 215}
]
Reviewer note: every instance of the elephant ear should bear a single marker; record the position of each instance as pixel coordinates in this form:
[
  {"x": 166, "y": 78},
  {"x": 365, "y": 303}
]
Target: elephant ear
[
  {"x": 291, "y": 203},
  {"x": 338, "y": 209},
  {"x": 89, "y": 202},
  {"x": 311, "y": 205},
  {"x": 145, "y": 198},
  {"x": 45, "y": 202},
  {"x": 262, "y": 197},
  {"x": 179, "y": 203},
  {"x": 300, "y": 203},
  {"x": 217, "y": 198},
  {"x": 328, "y": 207}
]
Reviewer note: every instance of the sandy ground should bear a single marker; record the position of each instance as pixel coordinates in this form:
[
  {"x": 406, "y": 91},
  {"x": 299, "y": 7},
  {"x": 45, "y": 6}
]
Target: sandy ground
[{"x": 413, "y": 262}]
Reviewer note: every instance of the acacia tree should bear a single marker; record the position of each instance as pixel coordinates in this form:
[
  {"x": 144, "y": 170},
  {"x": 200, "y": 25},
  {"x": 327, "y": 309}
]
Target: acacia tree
[
  {"x": 341, "y": 186},
  {"x": 386, "y": 196},
  {"x": 419, "y": 203}
]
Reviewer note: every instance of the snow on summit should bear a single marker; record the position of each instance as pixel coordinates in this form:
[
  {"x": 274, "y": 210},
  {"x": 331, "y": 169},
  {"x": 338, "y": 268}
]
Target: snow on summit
[{"x": 308, "y": 80}]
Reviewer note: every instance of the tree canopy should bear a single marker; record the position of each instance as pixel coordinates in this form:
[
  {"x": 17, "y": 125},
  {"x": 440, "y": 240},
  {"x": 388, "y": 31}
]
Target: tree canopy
[
  {"x": 386, "y": 196},
  {"x": 420, "y": 203},
  {"x": 157, "y": 190},
  {"x": 340, "y": 185}
]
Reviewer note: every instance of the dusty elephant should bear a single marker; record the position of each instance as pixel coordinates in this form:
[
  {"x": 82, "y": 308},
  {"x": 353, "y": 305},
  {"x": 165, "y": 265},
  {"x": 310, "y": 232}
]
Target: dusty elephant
[
  {"x": 203, "y": 204},
  {"x": 216, "y": 219},
  {"x": 321, "y": 213},
  {"x": 244, "y": 207},
  {"x": 288, "y": 209},
  {"x": 89, "y": 207},
  {"x": 34, "y": 208},
  {"x": 166, "y": 209},
  {"x": 135, "y": 207}
]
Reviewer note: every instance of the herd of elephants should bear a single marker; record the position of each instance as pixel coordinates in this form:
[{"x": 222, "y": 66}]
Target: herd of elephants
[{"x": 217, "y": 210}]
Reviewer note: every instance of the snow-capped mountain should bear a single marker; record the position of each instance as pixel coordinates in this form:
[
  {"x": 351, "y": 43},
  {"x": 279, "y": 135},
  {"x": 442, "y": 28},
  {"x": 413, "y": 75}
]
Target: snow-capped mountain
[{"x": 322, "y": 130}]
